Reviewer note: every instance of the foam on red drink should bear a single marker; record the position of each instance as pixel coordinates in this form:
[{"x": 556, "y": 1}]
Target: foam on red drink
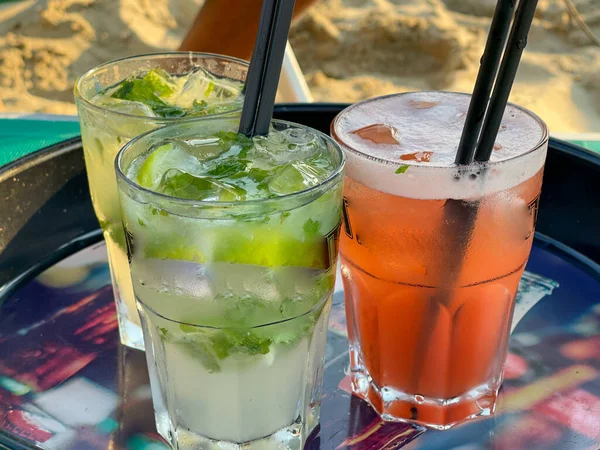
[{"x": 428, "y": 335}]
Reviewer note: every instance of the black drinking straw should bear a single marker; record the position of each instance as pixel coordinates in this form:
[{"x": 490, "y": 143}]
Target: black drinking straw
[
  {"x": 506, "y": 77},
  {"x": 265, "y": 67},
  {"x": 460, "y": 215},
  {"x": 484, "y": 82}
]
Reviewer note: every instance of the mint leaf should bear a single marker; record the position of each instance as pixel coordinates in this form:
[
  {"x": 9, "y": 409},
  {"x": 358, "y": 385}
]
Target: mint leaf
[
  {"x": 168, "y": 110},
  {"x": 229, "y": 140},
  {"x": 403, "y": 168},
  {"x": 141, "y": 89},
  {"x": 228, "y": 167},
  {"x": 259, "y": 176},
  {"x": 163, "y": 331},
  {"x": 202, "y": 108},
  {"x": 196, "y": 342},
  {"x": 229, "y": 341},
  {"x": 201, "y": 351},
  {"x": 199, "y": 106},
  {"x": 156, "y": 211},
  {"x": 248, "y": 310},
  {"x": 148, "y": 90},
  {"x": 177, "y": 183},
  {"x": 284, "y": 215},
  {"x": 311, "y": 227}
]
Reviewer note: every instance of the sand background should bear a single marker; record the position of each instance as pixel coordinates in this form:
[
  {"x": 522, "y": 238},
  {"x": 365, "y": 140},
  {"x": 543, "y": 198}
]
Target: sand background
[{"x": 348, "y": 49}]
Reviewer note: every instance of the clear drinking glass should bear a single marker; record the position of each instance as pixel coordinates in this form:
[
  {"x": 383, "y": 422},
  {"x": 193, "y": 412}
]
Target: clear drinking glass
[
  {"x": 106, "y": 128},
  {"x": 432, "y": 254},
  {"x": 200, "y": 269}
]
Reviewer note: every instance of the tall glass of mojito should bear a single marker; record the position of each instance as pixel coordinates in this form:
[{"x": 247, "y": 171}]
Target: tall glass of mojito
[
  {"x": 122, "y": 99},
  {"x": 233, "y": 247},
  {"x": 429, "y": 322}
]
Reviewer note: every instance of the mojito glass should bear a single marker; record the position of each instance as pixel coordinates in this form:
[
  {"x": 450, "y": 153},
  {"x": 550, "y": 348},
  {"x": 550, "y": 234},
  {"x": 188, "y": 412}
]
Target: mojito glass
[
  {"x": 125, "y": 98},
  {"x": 233, "y": 248},
  {"x": 432, "y": 253}
]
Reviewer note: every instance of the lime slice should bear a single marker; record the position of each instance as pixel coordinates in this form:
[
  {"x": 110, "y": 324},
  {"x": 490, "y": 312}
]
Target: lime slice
[
  {"x": 175, "y": 248},
  {"x": 266, "y": 247},
  {"x": 165, "y": 157},
  {"x": 261, "y": 247}
]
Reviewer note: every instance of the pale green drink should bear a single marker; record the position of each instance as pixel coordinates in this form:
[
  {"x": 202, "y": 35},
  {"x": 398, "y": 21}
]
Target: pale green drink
[
  {"x": 233, "y": 250},
  {"x": 125, "y": 98}
]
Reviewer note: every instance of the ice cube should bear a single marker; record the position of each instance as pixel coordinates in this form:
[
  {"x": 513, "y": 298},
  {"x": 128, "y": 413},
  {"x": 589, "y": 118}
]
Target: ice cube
[
  {"x": 281, "y": 147},
  {"x": 202, "y": 85},
  {"x": 288, "y": 180},
  {"x": 124, "y": 106},
  {"x": 202, "y": 148},
  {"x": 298, "y": 136},
  {"x": 378, "y": 133},
  {"x": 295, "y": 177}
]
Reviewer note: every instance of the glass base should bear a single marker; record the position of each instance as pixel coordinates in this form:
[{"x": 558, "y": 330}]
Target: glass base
[
  {"x": 130, "y": 333},
  {"x": 441, "y": 414},
  {"x": 130, "y": 329},
  {"x": 292, "y": 437}
]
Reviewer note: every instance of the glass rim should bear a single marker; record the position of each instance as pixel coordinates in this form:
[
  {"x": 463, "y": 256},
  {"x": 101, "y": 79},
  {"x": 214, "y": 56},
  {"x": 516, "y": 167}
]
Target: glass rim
[
  {"x": 222, "y": 204},
  {"x": 312, "y": 309},
  {"x": 200, "y": 55},
  {"x": 543, "y": 140}
]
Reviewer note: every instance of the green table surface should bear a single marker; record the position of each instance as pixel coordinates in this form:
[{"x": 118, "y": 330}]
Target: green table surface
[{"x": 19, "y": 137}]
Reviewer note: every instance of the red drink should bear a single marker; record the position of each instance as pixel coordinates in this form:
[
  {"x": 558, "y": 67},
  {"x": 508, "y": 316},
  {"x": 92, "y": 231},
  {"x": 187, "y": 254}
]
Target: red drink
[{"x": 432, "y": 254}]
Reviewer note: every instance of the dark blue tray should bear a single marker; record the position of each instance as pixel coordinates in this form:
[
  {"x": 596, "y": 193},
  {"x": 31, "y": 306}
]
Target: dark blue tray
[{"x": 66, "y": 383}]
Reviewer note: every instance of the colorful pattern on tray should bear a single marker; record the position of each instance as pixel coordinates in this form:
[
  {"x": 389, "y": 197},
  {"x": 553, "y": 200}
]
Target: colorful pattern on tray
[{"x": 65, "y": 383}]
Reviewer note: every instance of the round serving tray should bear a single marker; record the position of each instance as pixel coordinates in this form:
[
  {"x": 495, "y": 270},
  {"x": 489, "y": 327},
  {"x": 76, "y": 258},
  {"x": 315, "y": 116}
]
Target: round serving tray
[{"x": 66, "y": 383}]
